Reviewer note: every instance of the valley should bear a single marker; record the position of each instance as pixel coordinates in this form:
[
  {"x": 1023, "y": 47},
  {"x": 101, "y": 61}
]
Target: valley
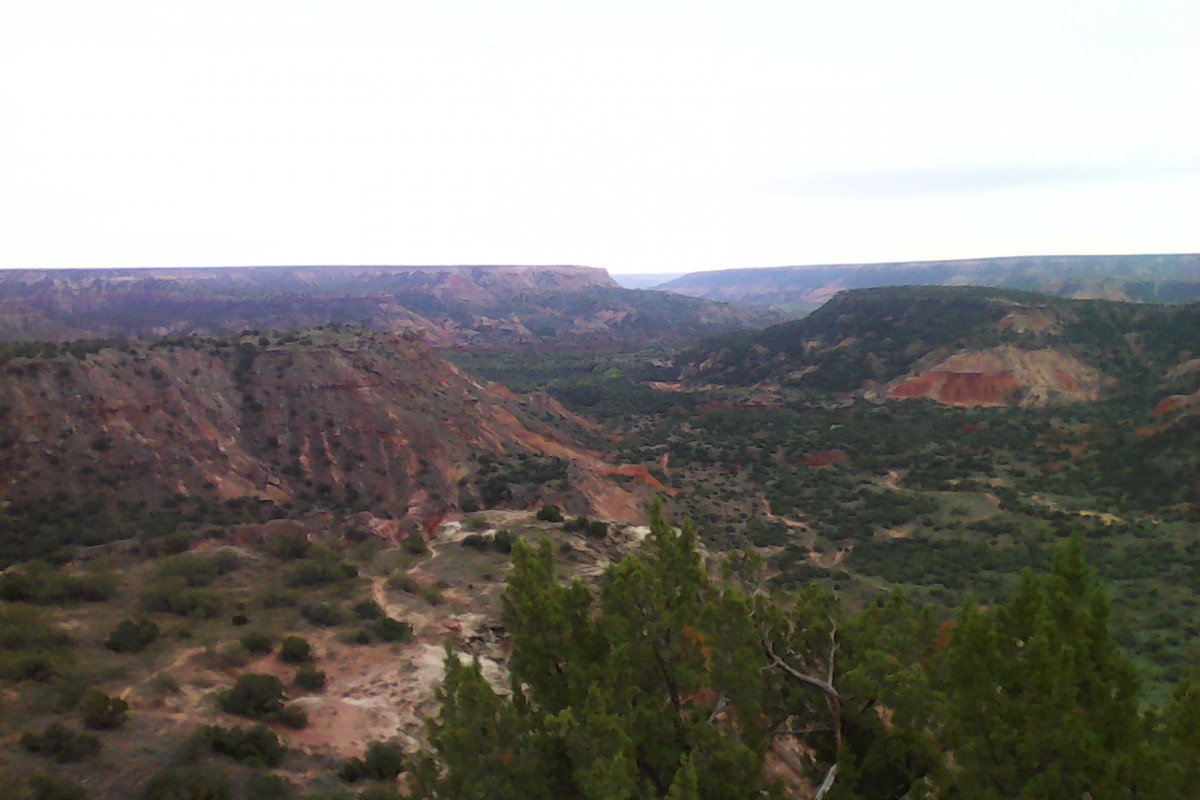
[{"x": 365, "y": 479}]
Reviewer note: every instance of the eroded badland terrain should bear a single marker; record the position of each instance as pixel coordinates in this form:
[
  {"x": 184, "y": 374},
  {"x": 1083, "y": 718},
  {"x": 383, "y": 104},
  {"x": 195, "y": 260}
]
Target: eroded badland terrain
[{"x": 318, "y": 477}]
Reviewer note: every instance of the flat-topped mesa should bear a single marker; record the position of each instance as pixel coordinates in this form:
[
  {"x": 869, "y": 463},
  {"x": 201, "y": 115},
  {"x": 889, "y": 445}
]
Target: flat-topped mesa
[
  {"x": 493, "y": 305},
  {"x": 1170, "y": 278},
  {"x": 351, "y": 279}
]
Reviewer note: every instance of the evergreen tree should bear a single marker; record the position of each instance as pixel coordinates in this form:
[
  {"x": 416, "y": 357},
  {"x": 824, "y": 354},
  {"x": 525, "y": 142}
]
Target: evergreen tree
[{"x": 1039, "y": 702}]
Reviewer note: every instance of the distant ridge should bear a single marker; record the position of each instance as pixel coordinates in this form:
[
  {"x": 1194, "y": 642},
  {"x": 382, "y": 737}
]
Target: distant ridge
[
  {"x": 453, "y": 305},
  {"x": 1165, "y": 278}
]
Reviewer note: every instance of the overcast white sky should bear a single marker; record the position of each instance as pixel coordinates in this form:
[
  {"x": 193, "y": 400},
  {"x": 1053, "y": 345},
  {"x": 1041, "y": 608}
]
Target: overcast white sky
[{"x": 639, "y": 136}]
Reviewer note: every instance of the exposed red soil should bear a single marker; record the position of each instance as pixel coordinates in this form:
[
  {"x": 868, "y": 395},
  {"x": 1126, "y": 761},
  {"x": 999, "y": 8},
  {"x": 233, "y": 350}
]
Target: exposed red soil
[
  {"x": 823, "y": 458},
  {"x": 1169, "y": 405},
  {"x": 959, "y": 388},
  {"x": 1003, "y": 376},
  {"x": 1026, "y": 320},
  {"x": 639, "y": 472}
]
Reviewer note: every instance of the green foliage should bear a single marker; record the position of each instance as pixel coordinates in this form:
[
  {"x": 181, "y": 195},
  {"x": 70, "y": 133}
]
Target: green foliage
[
  {"x": 549, "y": 513},
  {"x": 610, "y": 697},
  {"x": 188, "y": 783},
  {"x": 255, "y": 745},
  {"x": 669, "y": 684},
  {"x": 265, "y": 786},
  {"x": 1040, "y": 704},
  {"x": 61, "y": 743},
  {"x": 323, "y": 615},
  {"x": 290, "y": 546},
  {"x": 476, "y": 541},
  {"x": 101, "y": 712},
  {"x": 310, "y": 573},
  {"x": 173, "y": 595},
  {"x": 1175, "y": 754},
  {"x": 415, "y": 545},
  {"x": 368, "y": 610},
  {"x": 31, "y": 647},
  {"x": 47, "y": 787},
  {"x": 257, "y": 642},
  {"x": 39, "y": 582},
  {"x": 261, "y": 697},
  {"x": 593, "y": 528},
  {"x": 383, "y": 761},
  {"x": 310, "y": 679},
  {"x": 295, "y": 650},
  {"x": 392, "y": 630},
  {"x": 132, "y": 636}
]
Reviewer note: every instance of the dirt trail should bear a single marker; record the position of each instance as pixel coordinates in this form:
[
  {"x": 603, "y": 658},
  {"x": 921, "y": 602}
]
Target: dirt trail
[{"x": 187, "y": 654}]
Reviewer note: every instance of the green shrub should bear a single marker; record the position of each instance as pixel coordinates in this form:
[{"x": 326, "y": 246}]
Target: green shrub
[
  {"x": 322, "y": 615},
  {"x": 368, "y": 610},
  {"x": 257, "y": 642},
  {"x": 415, "y": 545},
  {"x": 255, "y": 745},
  {"x": 403, "y": 582},
  {"x": 295, "y": 650},
  {"x": 292, "y": 717},
  {"x": 356, "y": 534},
  {"x": 578, "y": 524},
  {"x": 164, "y": 683},
  {"x": 39, "y": 582},
  {"x": 31, "y": 648},
  {"x": 174, "y": 596},
  {"x": 476, "y": 541},
  {"x": 264, "y": 786},
  {"x": 132, "y": 636},
  {"x": 290, "y": 546},
  {"x": 361, "y": 636},
  {"x": 310, "y": 679},
  {"x": 61, "y": 743},
  {"x": 198, "y": 571},
  {"x": 253, "y": 696},
  {"x": 232, "y": 656},
  {"x": 502, "y": 542},
  {"x": 172, "y": 544},
  {"x": 190, "y": 783},
  {"x": 392, "y": 630},
  {"x": 383, "y": 761},
  {"x": 310, "y": 573},
  {"x": 47, "y": 787},
  {"x": 101, "y": 712},
  {"x": 550, "y": 513}
]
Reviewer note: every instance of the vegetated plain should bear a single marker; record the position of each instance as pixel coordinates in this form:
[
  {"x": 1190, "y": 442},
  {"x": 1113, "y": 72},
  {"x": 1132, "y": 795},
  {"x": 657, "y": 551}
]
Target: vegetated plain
[
  {"x": 787, "y": 440},
  {"x": 933, "y": 441}
]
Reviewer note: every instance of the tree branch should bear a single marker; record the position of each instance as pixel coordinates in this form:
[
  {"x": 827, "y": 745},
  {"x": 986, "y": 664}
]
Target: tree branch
[{"x": 826, "y": 784}]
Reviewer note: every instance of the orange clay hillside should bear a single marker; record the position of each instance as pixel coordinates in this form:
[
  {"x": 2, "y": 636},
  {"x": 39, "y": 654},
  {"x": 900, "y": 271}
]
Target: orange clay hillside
[
  {"x": 1002, "y": 376},
  {"x": 336, "y": 418}
]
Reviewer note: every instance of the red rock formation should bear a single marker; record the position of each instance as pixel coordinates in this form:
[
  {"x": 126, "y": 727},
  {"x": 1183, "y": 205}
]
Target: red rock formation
[
  {"x": 369, "y": 420},
  {"x": 1169, "y": 405},
  {"x": 823, "y": 458},
  {"x": 1003, "y": 376}
]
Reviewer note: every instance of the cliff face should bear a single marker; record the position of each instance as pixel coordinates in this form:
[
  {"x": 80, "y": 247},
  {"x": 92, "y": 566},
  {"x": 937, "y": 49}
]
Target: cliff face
[
  {"x": 344, "y": 418},
  {"x": 452, "y": 305}
]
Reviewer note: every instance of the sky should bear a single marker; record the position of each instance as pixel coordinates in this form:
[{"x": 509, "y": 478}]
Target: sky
[{"x": 646, "y": 136}]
